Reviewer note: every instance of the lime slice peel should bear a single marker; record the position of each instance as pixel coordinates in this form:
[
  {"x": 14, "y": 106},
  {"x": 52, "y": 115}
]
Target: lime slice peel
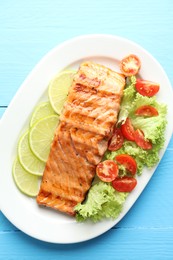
[
  {"x": 27, "y": 183},
  {"x": 58, "y": 89},
  {"x": 27, "y": 159},
  {"x": 42, "y": 110},
  {"x": 41, "y": 136}
]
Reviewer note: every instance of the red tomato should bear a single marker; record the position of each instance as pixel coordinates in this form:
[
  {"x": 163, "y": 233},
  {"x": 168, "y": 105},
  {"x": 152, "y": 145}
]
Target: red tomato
[
  {"x": 147, "y": 88},
  {"x": 116, "y": 141},
  {"x": 141, "y": 141},
  {"x": 128, "y": 161},
  {"x": 146, "y": 111},
  {"x": 128, "y": 130},
  {"x": 125, "y": 184},
  {"x": 107, "y": 170},
  {"x": 130, "y": 65}
]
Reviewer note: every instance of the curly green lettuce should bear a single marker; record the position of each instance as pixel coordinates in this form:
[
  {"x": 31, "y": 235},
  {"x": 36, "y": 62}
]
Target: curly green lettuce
[
  {"x": 103, "y": 201},
  {"x": 128, "y": 96},
  {"x": 153, "y": 127}
]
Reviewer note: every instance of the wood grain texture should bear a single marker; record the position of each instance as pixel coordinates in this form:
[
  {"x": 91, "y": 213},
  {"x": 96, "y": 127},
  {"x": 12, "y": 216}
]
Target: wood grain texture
[
  {"x": 28, "y": 30},
  {"x": 124, "y": 243}
]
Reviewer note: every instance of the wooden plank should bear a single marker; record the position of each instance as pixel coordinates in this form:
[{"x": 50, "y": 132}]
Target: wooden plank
[
  {"x": 127, "y": 243},
  {"x": 39, "y": 19},
  {"x": 5, "y": 225}
]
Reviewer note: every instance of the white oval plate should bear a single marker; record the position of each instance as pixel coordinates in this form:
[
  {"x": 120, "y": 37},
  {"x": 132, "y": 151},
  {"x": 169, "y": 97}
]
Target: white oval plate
[{"x": 43, "y": 223}]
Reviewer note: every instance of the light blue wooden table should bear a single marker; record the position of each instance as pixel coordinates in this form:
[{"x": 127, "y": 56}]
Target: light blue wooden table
[{"x": 28, "y": 30}]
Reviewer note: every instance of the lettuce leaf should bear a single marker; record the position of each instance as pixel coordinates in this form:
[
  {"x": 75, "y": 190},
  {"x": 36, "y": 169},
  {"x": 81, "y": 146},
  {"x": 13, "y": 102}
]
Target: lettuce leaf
[
  {"x": 128, "y": 97},
  {"x": 153, "y": 127},
  {"x": 103, "y": 201}
]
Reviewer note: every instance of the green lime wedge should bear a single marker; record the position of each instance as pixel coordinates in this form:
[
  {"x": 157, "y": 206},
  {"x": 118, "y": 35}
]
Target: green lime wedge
[
  {"x": 41, "y": 136},
  {"x": 58, "y": 89},
  {"x": 26, "y": 157},
  {"x": 26, "y": 182},
  {"x": 42, "y": 110}
]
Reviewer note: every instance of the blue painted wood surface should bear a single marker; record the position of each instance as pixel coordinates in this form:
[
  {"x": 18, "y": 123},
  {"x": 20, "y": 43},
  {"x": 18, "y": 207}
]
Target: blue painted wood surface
[{"x": 28, "y": 30}]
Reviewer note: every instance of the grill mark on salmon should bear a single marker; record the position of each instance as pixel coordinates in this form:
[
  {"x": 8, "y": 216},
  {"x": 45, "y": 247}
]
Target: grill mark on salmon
[
  {"x": 61, "y": 186},
  {"x": 76, "y": 163},
  {"x": 86, "y": 124},
  {"x": 72, "y": 166},
  {"x": 82, "y": 149},
  {"x": 92, "y": 110},
  {"x": 90, "y": 140},
  {"x": 102, "y": 124},
  {"x": 85, "y": 148}
]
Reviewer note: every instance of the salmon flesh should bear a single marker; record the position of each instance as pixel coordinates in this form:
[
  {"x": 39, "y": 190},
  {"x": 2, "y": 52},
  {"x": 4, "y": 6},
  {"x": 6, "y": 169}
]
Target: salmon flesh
[{"x": 81, "y": 138}]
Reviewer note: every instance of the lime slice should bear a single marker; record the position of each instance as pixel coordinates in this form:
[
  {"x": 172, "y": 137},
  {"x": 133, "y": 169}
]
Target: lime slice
[
  {"x": 27, "y": 159},
  {"x": 41, "y": 136},
  {"x": 26, "y": 182},
  {"x": 42, "y": 110},
  {"x": 58, "y": 89}
]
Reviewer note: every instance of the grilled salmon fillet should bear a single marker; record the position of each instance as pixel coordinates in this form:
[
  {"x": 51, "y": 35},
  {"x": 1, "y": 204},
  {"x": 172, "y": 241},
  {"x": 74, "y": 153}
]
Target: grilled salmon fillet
[{"x": 81, "y": 138}]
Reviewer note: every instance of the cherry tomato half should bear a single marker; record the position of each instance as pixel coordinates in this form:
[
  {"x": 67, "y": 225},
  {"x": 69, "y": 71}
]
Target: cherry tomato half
[
  {"x": 128, "y": 162},
  {"x": 141, "y": 141},
  {"x": 128, "y": 130},
  {"x": 130, "y": 65},
  {"x": 116, "y": 141},
  {"x": 107, "y": 170},
  {"x": 125, "y": 184},
  {"x": 147, "y": 88},
  {"x": 146, "y": 111}
]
